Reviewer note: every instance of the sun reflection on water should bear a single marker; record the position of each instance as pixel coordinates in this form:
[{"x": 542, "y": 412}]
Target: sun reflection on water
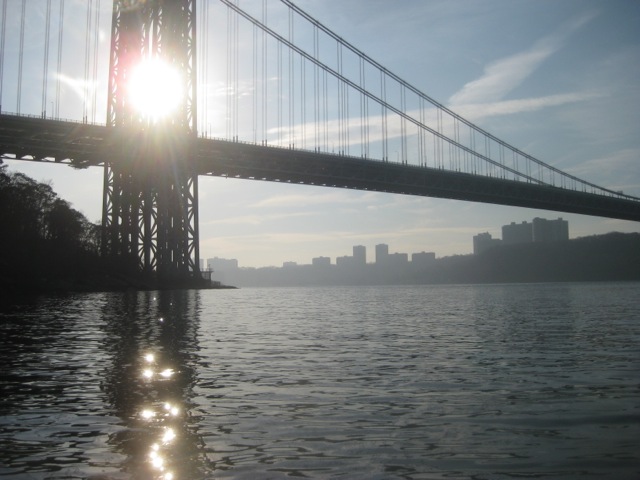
[
  {"x": 169, "y": 435},
  {"x": 147, "y": 414},
  {"x": 172, "y": 409},
  {"x": 161, "y": 414}
]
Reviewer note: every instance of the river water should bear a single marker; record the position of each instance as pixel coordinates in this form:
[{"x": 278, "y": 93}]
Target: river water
[{"x": 420, "y": 382}]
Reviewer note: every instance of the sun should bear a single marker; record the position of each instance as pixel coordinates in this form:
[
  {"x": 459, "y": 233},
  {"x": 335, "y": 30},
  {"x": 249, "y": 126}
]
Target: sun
[{"x": 155, "y": 89}]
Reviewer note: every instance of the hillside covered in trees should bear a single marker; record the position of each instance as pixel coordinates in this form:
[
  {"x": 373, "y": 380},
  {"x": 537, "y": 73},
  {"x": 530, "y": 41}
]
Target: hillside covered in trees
[{"x": 45, "y": 243}]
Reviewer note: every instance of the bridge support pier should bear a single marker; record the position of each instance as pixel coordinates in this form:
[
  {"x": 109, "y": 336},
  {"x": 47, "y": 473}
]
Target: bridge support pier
[{"x": 150, "y": 207}]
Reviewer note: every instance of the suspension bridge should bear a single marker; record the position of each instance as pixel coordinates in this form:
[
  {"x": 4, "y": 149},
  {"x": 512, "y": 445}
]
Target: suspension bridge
[{"x": 300, "y": 105}]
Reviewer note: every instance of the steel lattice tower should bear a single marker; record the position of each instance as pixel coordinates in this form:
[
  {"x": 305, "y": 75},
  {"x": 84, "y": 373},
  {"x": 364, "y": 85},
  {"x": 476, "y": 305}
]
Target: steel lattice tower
[{"x": 150, "y": 199}]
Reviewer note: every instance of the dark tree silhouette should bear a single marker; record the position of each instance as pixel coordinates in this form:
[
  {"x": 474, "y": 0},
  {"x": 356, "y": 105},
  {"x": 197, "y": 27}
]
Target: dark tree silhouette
[{"x": 45, "y": 243}]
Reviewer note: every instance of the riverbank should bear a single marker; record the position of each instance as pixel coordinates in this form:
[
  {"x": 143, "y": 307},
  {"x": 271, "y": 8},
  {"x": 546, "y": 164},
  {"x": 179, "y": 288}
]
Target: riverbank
[{"x": 11, "y": 286}]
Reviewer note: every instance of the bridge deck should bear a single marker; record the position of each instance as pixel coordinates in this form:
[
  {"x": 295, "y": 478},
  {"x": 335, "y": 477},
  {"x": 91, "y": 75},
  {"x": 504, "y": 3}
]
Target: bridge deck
[{"x": 83, "y": 145}]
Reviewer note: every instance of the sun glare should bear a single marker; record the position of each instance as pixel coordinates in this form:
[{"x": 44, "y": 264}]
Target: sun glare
[{"x": 155, "y": 89}]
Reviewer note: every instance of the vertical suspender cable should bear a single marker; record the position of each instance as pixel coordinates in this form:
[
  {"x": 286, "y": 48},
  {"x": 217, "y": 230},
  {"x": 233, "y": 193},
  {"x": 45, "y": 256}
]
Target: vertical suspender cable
[
  {"x": 96, "y": 44},
  {"x": 254, "y": 63},
  {"x": 316, "y": 87},
  {"x": 264, "y": 73},
  {"x": 4, "y": 25},
  {"x": 279, "y": 47},
  {"x": 229, "y": 62},
  {"x": 21, "y": 55},
  {"x": 59, "y": 65},
  {"x": 487, "y": 152},
  {"x": 291, "y": 85},
  {"x": 203, "y": 69},
  {"x": 346, "y": 103},
  {"x": 325, "y": 83},
  {"x": 236, "y": 62},
  {"x": 303, "y": 100},
  {"x": 200, "y": 30},
  {"x": 473, "y": 147},
  {"x": 205, "y": 64},
  {"x": 421, "y": 132},
  {"x": 456, "y": 136},
  {"x": 45, "y": 68},
  {"x": 362, "y": 99},
  {"x": 383, "y": 94},
  {"x": 366, "y": 112},
  {"x": 403, "y": 124},
  {"x": 439, "y": 158},
  {"x": 87, "y": 55},
  {"x": 340, "y": 99}
]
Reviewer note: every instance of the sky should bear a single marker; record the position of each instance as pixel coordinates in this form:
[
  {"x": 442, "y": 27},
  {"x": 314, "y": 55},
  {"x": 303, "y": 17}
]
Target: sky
[{"x": 560, "y": 80}]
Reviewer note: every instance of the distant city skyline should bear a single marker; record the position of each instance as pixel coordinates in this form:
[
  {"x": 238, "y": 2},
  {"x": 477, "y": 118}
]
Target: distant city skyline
[
  {"x": 538, "y": 230},
  {"x": 360, "y": 256},
  {"x": 594, "y": 258}
]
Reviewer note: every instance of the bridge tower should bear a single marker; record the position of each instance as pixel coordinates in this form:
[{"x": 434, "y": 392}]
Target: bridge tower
[{"x": 150, "y": 197}]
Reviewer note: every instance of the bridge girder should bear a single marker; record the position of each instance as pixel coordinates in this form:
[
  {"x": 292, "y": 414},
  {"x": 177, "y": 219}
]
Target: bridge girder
[{"x": 83, "y": 145}]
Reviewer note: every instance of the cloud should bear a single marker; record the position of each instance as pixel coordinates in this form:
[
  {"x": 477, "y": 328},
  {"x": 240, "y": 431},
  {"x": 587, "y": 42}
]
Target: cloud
[
  {"x": 615, "y": 170},
  {"x": 482, "y": 110},
  {"x": 505, "y": 74},
  {"x": 300, "y": 200},
  {"x": 255, "y": 219}
]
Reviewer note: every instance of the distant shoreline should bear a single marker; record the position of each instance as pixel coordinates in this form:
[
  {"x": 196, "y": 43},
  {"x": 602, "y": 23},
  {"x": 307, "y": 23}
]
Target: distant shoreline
[
  {"x": 610, "y": 257},
  {"x": 600, "y": 258}
]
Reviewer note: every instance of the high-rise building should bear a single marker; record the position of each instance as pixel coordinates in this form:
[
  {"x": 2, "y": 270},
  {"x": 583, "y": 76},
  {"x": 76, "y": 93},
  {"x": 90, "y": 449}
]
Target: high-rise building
[
  {"x": 483, "y": 242},
  {"x": 345, "y": 261},
  {"x": 423, "y": 258},
  {"x": 398, "y": 259},
  {"x": 517, "y": 233},
  {"x": 222, "y": 264},
  {"x": 382, "y": 253},
  {"x": 550, "y": 230},
  {"x": 321, "y": 261},
  {"x": 359, "y": 255}
]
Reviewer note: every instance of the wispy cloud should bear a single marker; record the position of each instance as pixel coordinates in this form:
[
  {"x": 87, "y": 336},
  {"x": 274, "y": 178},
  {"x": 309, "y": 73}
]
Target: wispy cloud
[
  {"x": 331, "y": 197},
  {"x": 505, "y": 74},
  {"x": 612, "y": 170},
  {"x": 482, "y": 110},
  {"x": 255, "y": 219}
]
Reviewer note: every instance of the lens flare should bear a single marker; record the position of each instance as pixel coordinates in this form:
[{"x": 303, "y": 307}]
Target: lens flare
[{"x": 155, "y": 89}]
